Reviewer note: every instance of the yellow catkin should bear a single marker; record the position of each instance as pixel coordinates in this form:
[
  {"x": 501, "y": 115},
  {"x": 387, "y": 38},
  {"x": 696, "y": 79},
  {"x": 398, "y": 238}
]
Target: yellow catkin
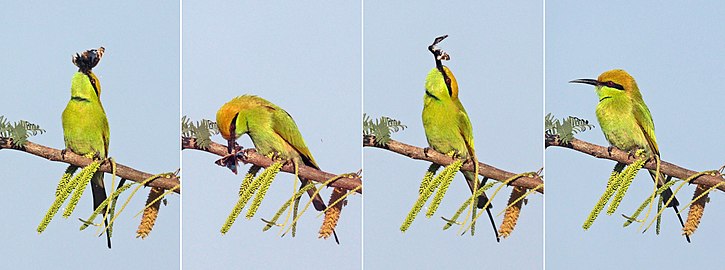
[
  {"x": 626, "y": 178},
  {"x": 269, "y": 175},
  {"x": 428, "y": 177},
  {"x": 646, "y": 202},
  {"x": 102, "y": 206},
  {"x": 464, "y": 206},
  {"x": 450, "y": 173},
  {"x": 612, "y": 186},
  {"x": 332, "y": 214},
  {"x": 659, "y": 218},
  {"x": 697, "y": 208},
  {"x": 248, "y": 178},
  {"x": 150, "y": 213},
  {"x": 512, "y": 212},
  {"x": 243, "y": 199},
  {"x": 65, "y": 179},
  {"x": 86, "y": 176},
  {"x": 422, "y": 198}
]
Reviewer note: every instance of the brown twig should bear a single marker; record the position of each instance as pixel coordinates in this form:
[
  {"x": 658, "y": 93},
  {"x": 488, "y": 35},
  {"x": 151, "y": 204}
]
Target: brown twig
[
  {"x": 122, "y": 171},
  {"x": 625, "y": 157},
  {"x": 431, "y": 155},
  {"x": 251, "y": 156}
]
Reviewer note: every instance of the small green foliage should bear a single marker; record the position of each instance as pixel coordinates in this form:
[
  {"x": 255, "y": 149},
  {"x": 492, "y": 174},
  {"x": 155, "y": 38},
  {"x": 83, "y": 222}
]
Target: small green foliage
[
  {"x": 446, "y": 177},
  {"x": 266, "y": 180},
  {"x": 381, "y": 128},
  {"x": 612, "y": 185},
  {"x": 565, "y": 128},
  {"x": 18, "y": 132},
  {"x": 201, "y": 130}
]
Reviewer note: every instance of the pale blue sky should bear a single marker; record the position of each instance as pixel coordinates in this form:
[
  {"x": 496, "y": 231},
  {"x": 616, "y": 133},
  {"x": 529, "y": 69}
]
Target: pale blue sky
[
  {"x": 139, "y": 75},
  {"x": 304, "y": 57},
  {"x": 674, "y": 51},
  {"x": 308, "y": 60},
  {"x": 496, "y": 54}
]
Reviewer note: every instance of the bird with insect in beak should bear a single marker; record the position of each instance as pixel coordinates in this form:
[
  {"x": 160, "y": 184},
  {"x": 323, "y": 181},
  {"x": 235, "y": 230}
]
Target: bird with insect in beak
[
  {"x": 85, "y": 126},
  {"x": 447, "y": 126},
  {"x": 273, "y": 133},
  {"x": 627, "y": 122}
]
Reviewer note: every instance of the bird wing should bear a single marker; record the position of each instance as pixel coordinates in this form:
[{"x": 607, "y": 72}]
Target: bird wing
[
  {"x": 466, "y": 130},
  {"x": 645, "y": 123},
  {"x": 285, "y": 127},
  {"x": 106, "y": 134}
]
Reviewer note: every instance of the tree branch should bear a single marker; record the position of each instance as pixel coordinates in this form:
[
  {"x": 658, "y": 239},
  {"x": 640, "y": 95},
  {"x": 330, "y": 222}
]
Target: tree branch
[
  {"x": 625, "y": 157},
  {"x": 71, "y": 158},
  {"x": 431, "y": 155},
  {"x": 250, "y": 156}
]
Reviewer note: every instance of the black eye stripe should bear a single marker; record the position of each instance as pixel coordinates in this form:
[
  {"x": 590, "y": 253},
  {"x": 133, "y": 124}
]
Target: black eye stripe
[
  {"x": 93, "y": 83},
  {"x": 613, "y": 85}
]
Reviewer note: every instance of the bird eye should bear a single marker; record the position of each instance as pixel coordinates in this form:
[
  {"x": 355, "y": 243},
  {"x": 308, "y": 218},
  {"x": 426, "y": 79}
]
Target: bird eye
[{"x": 448, "y": 80}]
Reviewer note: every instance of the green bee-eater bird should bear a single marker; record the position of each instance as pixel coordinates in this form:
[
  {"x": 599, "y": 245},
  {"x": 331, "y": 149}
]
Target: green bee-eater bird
[
  {"x": 446, "y": 123},
  {"x": 271, "y": 129},
  {"x": 626, "y": 121},
  {"x": 85, "y": 126}
]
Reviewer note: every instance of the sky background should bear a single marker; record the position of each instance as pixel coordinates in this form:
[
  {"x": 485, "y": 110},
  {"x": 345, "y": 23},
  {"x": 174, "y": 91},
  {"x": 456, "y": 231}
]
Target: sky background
[
  {"x": 674, "y": 51},
  {"x": 309, "y": 62},
  {"x": 496, "y": 55},
  {"x": 306, "y": 60},
  {"x": 139, "y": 75}
]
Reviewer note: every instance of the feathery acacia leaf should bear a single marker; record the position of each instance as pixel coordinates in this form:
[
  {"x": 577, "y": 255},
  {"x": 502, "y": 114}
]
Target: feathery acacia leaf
[
  {"x": 19, "y": 131},
  {"x": 381, "y": 128},
  {"x": 565, "y": 128},
  {"x": 201, "y": 130}
]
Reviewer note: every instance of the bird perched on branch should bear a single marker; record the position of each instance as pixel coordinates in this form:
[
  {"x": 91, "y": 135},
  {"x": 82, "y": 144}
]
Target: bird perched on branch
[
  {"x": 85, "y": 126},
  {"x": 626, "y": 121},
  {"x": 446, "y": 123},
  {"x": 272, "y": 131}
]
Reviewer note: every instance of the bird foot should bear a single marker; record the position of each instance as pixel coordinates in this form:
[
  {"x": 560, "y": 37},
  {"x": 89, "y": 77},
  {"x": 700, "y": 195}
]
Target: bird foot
[{"x": 609, "y": 150}]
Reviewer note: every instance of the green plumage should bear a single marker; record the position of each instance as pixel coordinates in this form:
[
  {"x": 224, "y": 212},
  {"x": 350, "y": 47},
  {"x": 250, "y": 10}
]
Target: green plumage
[
  {"x": 271, "y": 129},
  {"x": 626, "y": 121},
  {"x": 446, "y": 123},
  {"x": 85, "y": 126}
]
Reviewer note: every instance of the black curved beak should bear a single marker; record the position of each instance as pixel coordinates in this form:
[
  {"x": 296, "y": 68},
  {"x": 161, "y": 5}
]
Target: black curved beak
[
  {"x": 231, "y": 143},
  {"x": 586, "y": 81}
]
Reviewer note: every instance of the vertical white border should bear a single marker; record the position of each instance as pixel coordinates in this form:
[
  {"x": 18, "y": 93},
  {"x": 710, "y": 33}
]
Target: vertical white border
[
  {"x": 362, "y": 110},
  {"x": 543, "y": 113},
  {"x": 181, "y": 105}
]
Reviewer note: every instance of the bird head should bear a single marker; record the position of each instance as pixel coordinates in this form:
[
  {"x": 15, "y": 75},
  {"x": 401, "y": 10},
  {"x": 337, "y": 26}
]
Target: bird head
[
  {"x": 228, "y": 120},
  {"x": 440, "y": 79},
  {"x": 612, "y": 82},
  {"x": 85, "y": 62}
]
